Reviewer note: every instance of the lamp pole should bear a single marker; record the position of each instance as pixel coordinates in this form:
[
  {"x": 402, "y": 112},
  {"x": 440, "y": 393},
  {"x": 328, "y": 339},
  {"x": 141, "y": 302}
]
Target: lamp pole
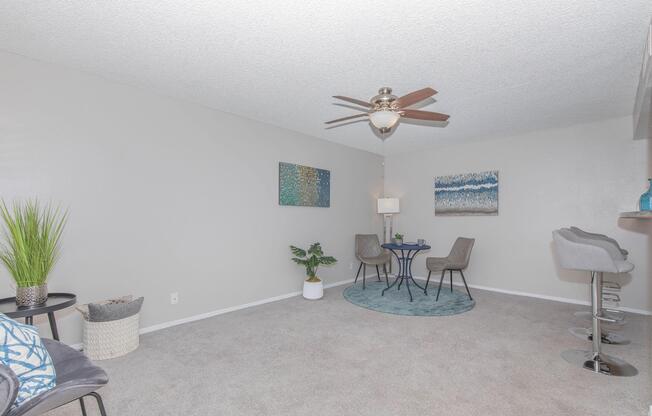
[
  {"x": 385, "y": 235},
  {"x": 388, "y": 207}
]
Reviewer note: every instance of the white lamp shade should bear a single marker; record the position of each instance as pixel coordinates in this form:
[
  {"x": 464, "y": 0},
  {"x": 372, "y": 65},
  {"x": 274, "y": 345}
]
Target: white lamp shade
[
  {"x": 384, "y": 119},
  {"x": 388, "y": 206}
]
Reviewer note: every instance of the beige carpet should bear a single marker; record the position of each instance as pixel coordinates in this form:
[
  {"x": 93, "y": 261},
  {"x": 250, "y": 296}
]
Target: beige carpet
[{"x": 329, "y": 357}]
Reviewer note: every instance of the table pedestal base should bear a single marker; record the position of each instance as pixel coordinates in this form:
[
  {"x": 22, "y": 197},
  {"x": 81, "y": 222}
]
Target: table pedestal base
[
  {"x": 405, "y": 268},
  {"x": 399, "y": 280}
]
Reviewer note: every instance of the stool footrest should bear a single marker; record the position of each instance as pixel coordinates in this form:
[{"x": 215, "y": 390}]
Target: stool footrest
[
  {"x": 610, "y": 286},
  {"x": 610, "y": 297},
  {"x": 614, "y": 320},
  {"x": 620, "y": 315},
  {"x": 608, "y": 337},
  {"x": 617, "y": 316}
]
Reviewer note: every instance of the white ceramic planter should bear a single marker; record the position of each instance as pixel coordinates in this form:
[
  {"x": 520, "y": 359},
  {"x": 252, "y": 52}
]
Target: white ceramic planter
[{"x": 313, "y": 290}]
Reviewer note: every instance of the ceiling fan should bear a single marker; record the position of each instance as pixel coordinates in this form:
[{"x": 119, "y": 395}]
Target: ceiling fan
[{"x": 385, "y": 109}]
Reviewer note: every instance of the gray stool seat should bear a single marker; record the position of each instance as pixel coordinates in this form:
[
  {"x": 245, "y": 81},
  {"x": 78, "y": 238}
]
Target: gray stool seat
[
  {"x": 623, "y": 266},
  {"x": 595, "y": 256},
  {"x": 77, "y": 377},
  {"x": 578, "y": 253},
  {"x": 595, "y": 236}
]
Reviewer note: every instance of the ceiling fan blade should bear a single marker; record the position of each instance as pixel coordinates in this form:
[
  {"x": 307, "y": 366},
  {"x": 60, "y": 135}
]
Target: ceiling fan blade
[
  {"x": 354, "y": 101},
  {"x": 346, "y": 118},
  {"x": 414, "y": 97},
  {"x": 424, "y": 115}
]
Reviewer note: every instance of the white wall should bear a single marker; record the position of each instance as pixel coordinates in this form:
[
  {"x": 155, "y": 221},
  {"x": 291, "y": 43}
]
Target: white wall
[
  {"x": 583, "y": 175},
  {"x": 166, "y": 196}
]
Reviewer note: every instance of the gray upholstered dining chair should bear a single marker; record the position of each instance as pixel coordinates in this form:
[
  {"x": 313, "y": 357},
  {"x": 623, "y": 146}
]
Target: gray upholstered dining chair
[
  {"x": 369, "y": 251},
  {"x": 457, "y": 260},
  {"x": 77, "y": 377}
]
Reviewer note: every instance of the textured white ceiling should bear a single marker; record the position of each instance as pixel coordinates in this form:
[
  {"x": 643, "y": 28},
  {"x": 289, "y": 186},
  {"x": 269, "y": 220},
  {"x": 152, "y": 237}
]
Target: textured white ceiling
[{"x": 500, "y": 67}]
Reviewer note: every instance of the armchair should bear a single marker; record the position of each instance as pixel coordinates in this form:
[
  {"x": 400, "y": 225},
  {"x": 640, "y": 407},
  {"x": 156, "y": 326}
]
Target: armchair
[{"x": 77, "y": 377}]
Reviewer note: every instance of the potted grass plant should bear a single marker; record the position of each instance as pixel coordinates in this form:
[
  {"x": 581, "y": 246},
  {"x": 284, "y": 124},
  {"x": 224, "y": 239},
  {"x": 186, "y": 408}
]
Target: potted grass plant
[
  {"x": 311, "y": 259},
  {"x": 30, "y": 247}
]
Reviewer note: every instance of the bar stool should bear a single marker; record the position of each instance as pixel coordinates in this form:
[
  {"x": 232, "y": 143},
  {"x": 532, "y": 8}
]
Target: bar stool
[
  {"x": 576, "y": 253},
  {"x": 609, "y": 289},
  {"x": 607, "y": 293}
]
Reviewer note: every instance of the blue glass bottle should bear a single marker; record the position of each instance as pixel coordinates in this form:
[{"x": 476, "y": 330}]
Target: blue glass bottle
[{"x": 645, "y": 203}]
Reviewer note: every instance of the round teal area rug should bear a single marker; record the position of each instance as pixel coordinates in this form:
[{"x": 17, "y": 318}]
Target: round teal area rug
[{"x": 398, "y": 301}]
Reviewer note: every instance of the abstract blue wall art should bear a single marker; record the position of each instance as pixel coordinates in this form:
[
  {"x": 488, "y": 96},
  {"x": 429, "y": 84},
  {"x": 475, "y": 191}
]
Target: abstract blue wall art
[
  {"x": 467, "y": 194},
  {"x": 303, "y": 186}
]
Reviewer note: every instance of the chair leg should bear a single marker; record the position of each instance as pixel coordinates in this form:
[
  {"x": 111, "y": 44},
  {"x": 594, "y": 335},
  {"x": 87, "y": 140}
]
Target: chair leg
[
  {"x": 443, "y": 272},
  {"x": 451, "y": 273},
  {"x": 425, "y": 290},
  {"x": 364, "y": 276},
  {"x": 100, "y": 404},
  {"x": 386, "y": 277},
  {"x": 358, "y": 274},
  {"x": 465, "y": 285},
  {"x": 83, "y": 407},
  {"x": 378, "y": 273}
]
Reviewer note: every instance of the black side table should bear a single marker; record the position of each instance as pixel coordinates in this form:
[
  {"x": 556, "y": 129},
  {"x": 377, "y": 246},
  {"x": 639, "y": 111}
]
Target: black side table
[{"x": 55, "y": 302}]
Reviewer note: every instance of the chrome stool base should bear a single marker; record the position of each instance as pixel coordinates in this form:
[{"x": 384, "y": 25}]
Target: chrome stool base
[
  {"x": 607, "y": 337},
  {"x": 603, "y": 364}
]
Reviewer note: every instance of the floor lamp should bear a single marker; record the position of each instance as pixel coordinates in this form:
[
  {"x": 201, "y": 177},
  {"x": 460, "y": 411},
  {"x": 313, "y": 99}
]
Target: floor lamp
[{"x": 388, "y": 207}]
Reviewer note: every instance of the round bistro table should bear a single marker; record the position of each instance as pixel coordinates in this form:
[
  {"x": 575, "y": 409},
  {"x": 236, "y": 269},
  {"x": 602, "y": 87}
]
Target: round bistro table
[
  {"x": 55, "y": 302},
  {"x": 407, "y": 254}
]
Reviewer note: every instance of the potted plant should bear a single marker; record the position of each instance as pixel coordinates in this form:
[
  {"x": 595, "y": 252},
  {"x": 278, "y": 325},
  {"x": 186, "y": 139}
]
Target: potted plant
[
  {"x": 313, "y": 288},
  {"x": 398, "y": 239},
  {"x": 31, "y": 247}
]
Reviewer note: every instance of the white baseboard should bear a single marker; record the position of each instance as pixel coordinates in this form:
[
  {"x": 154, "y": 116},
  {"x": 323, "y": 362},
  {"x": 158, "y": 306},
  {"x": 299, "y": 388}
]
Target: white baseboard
[
  {"x": 222, "y": 311},
  {"x": 169, "y": 324},
  {"x": 546, "y": 297}
]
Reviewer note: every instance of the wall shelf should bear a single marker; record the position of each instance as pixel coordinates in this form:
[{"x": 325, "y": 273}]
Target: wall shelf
[{"x": 642, "y": 215}]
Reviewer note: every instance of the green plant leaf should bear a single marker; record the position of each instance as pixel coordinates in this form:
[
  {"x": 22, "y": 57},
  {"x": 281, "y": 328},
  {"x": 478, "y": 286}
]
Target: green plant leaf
[
  {"x": 315, "y": 249},
  {"x": 327, "y": 260},
  {"x": 297, "y": 251},
  {"x": 311, "y": 259},
  {"x": 31, "y": 237},
  {"x": 302, "y": 262}
]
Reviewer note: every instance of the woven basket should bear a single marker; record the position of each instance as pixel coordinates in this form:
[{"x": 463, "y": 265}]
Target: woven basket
[{"x": 104, "y": 340}]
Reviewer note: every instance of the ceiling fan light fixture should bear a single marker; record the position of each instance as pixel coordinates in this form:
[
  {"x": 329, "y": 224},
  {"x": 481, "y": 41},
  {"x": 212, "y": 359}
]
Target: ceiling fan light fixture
[
  {"x": 385, "y": 109},
  {"x": 384, "y": 119}
]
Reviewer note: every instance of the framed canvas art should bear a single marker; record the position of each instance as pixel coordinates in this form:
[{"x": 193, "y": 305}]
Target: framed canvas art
[
  {"x": 467, "y": 194},
  {"x": 303, "y": 186}
]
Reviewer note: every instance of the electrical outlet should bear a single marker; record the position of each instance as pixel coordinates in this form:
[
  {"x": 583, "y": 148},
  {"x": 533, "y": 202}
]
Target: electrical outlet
[
  {"x": 350, "y": 266},
  {"x": 174, "y": 298}
]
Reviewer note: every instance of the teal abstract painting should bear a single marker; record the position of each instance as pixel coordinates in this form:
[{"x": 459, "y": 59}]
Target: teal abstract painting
[
  {"x": 303, "y": 186},
  {"x": 467, "y": 194}
]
